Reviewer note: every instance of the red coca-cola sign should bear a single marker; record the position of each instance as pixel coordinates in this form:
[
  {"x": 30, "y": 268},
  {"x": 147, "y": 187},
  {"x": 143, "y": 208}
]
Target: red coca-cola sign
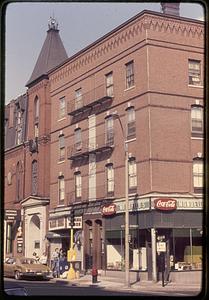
[
  {"x": 108, "y": 209},
  {"x": 165, "y": 204}
]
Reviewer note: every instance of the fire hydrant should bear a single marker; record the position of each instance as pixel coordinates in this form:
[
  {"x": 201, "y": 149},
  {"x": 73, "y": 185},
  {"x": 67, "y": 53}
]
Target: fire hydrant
[{"x": 94, "y": 274}]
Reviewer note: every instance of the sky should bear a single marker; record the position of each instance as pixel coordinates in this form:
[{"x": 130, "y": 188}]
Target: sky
[{"x": 80, "y": 24}]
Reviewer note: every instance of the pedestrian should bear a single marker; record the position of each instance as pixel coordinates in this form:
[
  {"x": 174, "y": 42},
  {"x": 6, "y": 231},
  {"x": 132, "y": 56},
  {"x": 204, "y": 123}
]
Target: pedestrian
[
  {"x": 35, "y": 257},
  {"x": 55, "y": 262},
  {"x": 43, "y": 259}
]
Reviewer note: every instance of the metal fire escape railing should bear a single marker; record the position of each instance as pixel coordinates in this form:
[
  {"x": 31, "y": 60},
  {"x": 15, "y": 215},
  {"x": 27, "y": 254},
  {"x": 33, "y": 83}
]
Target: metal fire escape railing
[
  {"x": 95, "y": 145},
  {"x": 88, "y": 100}
]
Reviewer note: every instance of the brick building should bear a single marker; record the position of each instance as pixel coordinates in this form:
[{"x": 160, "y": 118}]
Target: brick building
[{"x": 141, "y": 85}]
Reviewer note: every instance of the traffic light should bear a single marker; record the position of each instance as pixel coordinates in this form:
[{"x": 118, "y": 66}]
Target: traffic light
[{"x": 72, "y": 218}]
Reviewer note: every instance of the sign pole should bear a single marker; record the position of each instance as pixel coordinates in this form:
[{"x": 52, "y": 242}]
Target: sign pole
[{"x": 71, "y": 254}]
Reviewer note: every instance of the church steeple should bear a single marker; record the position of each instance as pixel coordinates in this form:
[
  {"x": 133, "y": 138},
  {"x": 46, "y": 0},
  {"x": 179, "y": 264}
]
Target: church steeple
[{"x": 52, "y": 53}]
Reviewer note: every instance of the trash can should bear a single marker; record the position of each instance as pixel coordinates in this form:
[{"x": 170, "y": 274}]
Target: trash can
[{"x": 94, "y": 274}]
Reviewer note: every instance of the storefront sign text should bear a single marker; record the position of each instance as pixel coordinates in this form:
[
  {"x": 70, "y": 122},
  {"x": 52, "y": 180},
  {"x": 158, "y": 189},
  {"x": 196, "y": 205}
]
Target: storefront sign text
[
  {"x": 109, "y": 209},
  {"x": 165, "y": 204}
]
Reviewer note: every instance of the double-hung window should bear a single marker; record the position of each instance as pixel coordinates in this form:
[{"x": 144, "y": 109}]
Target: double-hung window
[
  {"x": 19, "y": 128},
  {"x": 132, "y": 174},
  {"x": 194, "y": 72},
  {"x": 78, "y": 141},
  {"x": 61, "y": 147},
  {"x": 198, "y": 174},
  {"x": 78, "y": 99},
  {"x": 109, "y": 84},
  {"x": 110, "y": 178},
  {"x": 131, "y": 123},
  {"x": 62, "y": 107},
  {"x": 109, "y": 131},
  {"x": 129, "y": 74},
  {"x": 197, "y": 120},
  {"x": 78, "y": 185},
  {"x": 61, "y": 187}
]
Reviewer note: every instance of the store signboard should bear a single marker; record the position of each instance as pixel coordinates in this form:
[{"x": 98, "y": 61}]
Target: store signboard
[
  {"x": 165, "y": 204},
  {"x": 177, "y": 204},
  {"x": 108, "y": 209},
  {"x": 134, "y": 205},
  {"x": 161, "y": 247}
]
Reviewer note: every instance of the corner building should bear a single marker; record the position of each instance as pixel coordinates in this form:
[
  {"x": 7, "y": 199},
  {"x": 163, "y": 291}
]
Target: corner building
[{"x": 141, "y": 85}]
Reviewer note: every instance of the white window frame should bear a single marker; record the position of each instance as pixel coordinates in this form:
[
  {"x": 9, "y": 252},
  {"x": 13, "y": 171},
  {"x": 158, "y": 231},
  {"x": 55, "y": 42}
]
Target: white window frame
[
  {"x": 110, "y": 178},
  {"x": 61, "y": 190},
  {"x": 78, "y": 184},
  {"x": 109, "y": 130},
  {"x": 197, "y": 173},
  {"x": 197, "y": 119},
  {"x": 61, "y": 147},
  {"x": 130, "y": 74},
  {"x": 131, "y": 122},
  {"x": 132, "y": 173},
  {"x": 194, "y": 69},
  {"x": 62, "y": 107},
  {"x": 109, "y": 84},
  {"x": 78, "y": 139},
  {"x": 78, "y": 98}
]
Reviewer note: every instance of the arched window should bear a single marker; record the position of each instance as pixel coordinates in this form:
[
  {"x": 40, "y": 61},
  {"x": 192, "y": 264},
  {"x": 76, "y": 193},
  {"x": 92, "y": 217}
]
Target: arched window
[
  {"x": 36, "y": 116},
  {"x": 34, "y": 181}
]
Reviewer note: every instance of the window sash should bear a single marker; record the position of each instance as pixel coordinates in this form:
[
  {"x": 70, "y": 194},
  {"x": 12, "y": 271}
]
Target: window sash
[
  {"x": 109, "y": 84},
  {"x": 110, "y": 179},
  {"x": 78, "y": 99},
  {"x": 78, "y": 185},
  {"x": 132, "y": 174},
  {"x": 61, "y": 190},
  {"x": 62, "y": 107},
  {"x": 198, "y": 174},
  {"x": 129, "y": 74},
  {"x": 78, "y": 140},
  {"x": 194, "y": 72}
]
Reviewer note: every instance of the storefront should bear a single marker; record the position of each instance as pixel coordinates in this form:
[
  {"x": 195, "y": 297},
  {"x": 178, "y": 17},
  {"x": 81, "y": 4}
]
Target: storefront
[{"x": 176, "y": 222}]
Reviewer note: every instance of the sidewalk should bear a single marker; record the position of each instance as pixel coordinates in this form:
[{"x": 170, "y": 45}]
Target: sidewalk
[{"x": 142, "y": 286}]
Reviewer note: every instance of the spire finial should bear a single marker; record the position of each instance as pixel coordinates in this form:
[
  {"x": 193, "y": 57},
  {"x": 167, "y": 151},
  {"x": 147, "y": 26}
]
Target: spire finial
[{"x": 53, "y": 24}]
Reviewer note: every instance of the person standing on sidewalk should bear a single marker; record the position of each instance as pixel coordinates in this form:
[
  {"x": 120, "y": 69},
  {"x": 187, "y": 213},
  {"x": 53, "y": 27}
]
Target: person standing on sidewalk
[{"x": 55, "y": 262}]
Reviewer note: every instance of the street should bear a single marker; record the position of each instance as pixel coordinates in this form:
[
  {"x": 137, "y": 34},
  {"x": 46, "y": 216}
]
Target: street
[{"x": 64, "y": 288}]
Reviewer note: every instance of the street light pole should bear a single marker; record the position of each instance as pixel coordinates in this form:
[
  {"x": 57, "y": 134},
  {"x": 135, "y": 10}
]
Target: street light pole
[
  {"x": 126, "y": 218},
  {"x": 127, "y": 275}
]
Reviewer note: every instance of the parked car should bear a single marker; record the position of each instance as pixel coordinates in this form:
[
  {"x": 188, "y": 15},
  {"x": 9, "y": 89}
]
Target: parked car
[{"x": 25, "y": 267}]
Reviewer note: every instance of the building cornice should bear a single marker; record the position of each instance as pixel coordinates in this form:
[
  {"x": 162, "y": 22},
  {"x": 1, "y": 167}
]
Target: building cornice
[{"x": 126, "y": 32}]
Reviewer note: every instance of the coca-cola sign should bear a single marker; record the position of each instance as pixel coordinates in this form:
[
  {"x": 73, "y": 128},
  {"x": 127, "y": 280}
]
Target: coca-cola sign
[
  {"x": 165, "y": 204},
  {"x": 108, "y": 209}
]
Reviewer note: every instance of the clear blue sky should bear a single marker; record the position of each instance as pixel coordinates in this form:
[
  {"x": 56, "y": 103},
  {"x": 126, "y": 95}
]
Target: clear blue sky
[{"x": 79, "y": 23}]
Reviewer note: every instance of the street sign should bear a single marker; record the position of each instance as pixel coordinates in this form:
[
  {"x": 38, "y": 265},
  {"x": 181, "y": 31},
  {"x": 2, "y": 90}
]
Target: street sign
[{"x": 161, "y": 247}]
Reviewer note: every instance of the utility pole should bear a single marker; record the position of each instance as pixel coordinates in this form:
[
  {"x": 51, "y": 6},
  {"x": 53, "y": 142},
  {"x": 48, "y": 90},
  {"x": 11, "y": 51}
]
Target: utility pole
[{"x": 71, "y": 252}]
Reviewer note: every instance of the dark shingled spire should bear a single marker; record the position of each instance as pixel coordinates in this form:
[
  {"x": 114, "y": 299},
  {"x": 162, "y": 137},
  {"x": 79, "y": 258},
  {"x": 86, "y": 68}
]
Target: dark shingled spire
[{"x": 52, "y": 53}]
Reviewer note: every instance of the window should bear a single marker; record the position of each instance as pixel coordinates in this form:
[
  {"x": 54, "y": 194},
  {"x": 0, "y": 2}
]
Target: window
[
  {"x": 61, "y": 147},
  {"x": 109, "y": 84},
  {"x": 8, "y": 238},
  {"x": 131, "y": 126},
  {"x": 77, "y": 184},
  {"x": 110, "y": 178},
  {"x": 18, "y": 182},
  {"x": 61, "y": 187},
  {"x": 198, "y": 175},
  {"x": 109, "y": 131},
  {"x": 129, "y": 74},
  {"x": 132, "y": 173},
  {"x": 36, "y": 117},
  {"x": 62, "y": 107},
  {"x": 197, "y": 120},
  {"x": 78, "y": 99},
  {"x": 78, "y": 142},
  {"x": 34, "y": 171},
  {"x": 19, "y": 128},
  {"x": 194, "y": 72}
]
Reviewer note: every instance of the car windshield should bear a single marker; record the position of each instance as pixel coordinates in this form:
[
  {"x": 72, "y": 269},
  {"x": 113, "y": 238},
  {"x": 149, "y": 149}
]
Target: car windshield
[{"x": 27, "y": 261}]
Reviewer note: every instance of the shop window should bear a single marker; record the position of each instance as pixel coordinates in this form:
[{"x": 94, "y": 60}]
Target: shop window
[
  {"x": 131, "y": 123},
  {"x": 186, "y": 249},
  {"x": 61, "y": 187},
  {"x": 8, "y": 238},
  {"x": 61, "y": 147},
  {"x": 62, "y": 107},
  {"x": 109, "y": 84},
  {"x": 197, "y": 120},
  {"x": 129, "y": 74},
  {"x": 198, "y": 175},
  {"x": 194, "y": 72},
  {"x": 109, "y": 133}
]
